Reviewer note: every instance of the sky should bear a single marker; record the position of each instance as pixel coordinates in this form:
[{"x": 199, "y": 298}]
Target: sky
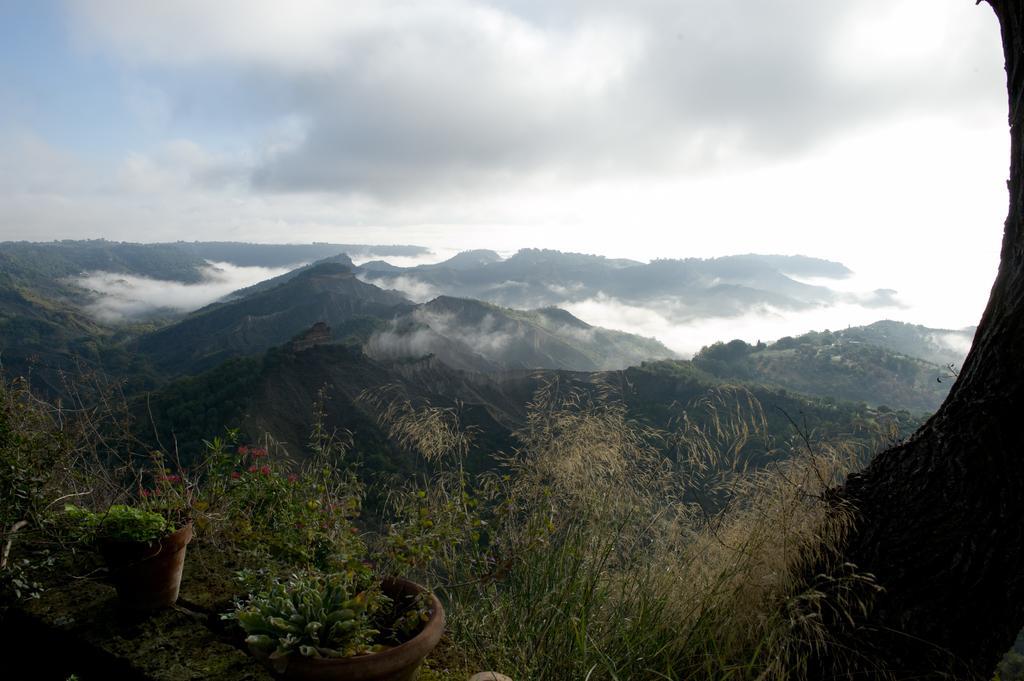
[{"x": 872, "y": 132}]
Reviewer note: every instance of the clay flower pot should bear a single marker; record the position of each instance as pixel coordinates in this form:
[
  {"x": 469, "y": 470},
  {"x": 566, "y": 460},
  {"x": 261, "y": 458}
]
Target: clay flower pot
[
  {"x": 147, "y": 575},
  {"x": 400, "y": 663}
]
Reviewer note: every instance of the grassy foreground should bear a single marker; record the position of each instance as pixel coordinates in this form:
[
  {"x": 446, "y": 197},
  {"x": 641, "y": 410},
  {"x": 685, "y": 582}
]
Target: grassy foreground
[{"x": 598, "y": 549}]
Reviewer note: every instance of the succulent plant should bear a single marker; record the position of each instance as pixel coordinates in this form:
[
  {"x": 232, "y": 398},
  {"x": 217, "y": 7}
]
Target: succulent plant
[{"x": 315, "y": 615}]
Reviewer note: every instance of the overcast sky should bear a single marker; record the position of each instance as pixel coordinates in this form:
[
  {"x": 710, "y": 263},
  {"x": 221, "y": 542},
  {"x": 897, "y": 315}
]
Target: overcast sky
[{"x": 867, "y": 131}]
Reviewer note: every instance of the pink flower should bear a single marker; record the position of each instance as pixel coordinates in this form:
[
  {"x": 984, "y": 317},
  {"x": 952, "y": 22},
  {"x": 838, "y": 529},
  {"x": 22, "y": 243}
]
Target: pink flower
[{"x": 173, "y": 479}]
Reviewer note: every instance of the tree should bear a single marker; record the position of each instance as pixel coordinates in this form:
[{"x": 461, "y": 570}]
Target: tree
[{"x": 939, "y": 520}]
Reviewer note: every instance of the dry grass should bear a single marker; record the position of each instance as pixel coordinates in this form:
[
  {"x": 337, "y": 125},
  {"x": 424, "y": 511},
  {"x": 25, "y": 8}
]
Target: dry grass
[{"x": 604, "y": 557}]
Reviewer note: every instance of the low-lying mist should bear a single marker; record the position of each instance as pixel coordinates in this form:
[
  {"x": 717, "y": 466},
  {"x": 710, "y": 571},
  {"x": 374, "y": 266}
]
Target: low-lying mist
[
  {"x": 763, "y": 323},
  {"x": 124, "y": 297}
]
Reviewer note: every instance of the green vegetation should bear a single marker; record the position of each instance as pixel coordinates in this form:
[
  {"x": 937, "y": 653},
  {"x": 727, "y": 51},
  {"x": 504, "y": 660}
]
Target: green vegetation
[
  {"x": 598, "y": 547},
  {"x": 188, "y": 410},
  {"x": 121, "y": 522},
  {"x": 656, "y": 522},
  {"x": 1011, "y": 667},
  {"x": 315, "y": 615},
  {"x": 589, "y": 554},
  {"x": 828, "y": 364},
  {"x": 57, "y": 260}
]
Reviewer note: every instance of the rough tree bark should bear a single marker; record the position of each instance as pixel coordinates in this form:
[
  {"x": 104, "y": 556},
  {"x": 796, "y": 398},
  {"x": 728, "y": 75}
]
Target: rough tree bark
[{"x": 940, "y": 519}]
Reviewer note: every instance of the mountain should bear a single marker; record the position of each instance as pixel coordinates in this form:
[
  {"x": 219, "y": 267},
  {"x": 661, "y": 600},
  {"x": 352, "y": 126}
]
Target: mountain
[
  {"x": 41, "y": 335},
  {"x": 284, "y": 255},
  {"x": 470, "y": 334},
  {"x": 267, "y": 284},
  {"x": 840, "y": 365},
  {"x": 276, "y": 392},
  {"x": 45, "y": 264},
  {"x": 680, "y": 289},
  {"x": 45, "y": 332},
  {"x": 327, "y": 293},
  {"x": 468, "y": 260},
  {"x": 938, "y": 346}
]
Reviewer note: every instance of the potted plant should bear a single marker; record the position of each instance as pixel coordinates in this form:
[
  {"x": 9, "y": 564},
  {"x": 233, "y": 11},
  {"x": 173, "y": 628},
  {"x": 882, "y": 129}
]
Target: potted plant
[
  {"x": 144, "y": 552},
  {"x": 348, "y": 625}
]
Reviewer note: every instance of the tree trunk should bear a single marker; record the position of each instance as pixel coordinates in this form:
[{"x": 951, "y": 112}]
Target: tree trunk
[{"x": 939, "y": 519}]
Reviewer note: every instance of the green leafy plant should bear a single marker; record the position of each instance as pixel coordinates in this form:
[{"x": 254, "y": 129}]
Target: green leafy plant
[
  {"x": 315, "y": 615},
  {"x": 121, "y": 522}
]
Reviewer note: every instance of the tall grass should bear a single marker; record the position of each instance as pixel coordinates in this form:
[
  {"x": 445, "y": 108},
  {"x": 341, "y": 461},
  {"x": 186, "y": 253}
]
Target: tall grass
[
  {"x": 600, "y": 548},
  {"x": 606, "y": 549}
]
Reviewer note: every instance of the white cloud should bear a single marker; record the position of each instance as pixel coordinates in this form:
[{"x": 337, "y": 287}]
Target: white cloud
[
  {"x": 124, "y": 296},
  {"x": 869, "y": 131},
  {"x": 953, "y": 341},
  {"x": 411, "y": 287},
  {"x": 687, "y": 337}
]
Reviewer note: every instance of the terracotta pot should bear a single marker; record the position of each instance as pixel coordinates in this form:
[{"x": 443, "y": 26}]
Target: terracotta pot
[
  {"x": 147, "y": 575},
  {"x": 400, "y": 663}
]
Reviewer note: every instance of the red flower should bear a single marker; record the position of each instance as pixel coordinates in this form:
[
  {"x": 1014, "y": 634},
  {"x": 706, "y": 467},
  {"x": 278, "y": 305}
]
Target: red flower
[
  {"x": 292, "y": 477},
  {"x": 144, "y": 493},
  {"x": 173, "y": 479},
  {"x": 235, "y": 475},
  {"x": 259, "y": 453},
  {"x": 265, "y": 470},
  {"x": 253, "y": 468},
  {"x": 243, "y": 450}
]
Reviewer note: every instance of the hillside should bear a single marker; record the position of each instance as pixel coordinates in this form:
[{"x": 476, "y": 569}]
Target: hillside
[
  {"x": 836, "y": 365},
  {"x": 470, "y": 334},
  {"x": 45, "y": 333},
  {"x": 49, "y": 262},
  {"x": 689, "y": 288},
  {"x": 327, "y": 293},
  {"x": 938, "y": 346},
  {"x": 275, "y": 394}
]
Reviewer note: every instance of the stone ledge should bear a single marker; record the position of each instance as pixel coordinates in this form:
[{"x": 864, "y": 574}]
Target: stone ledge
[{"x": 78, "y": 627}]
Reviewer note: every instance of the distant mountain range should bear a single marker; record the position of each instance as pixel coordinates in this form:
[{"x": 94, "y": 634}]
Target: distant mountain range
[
  {"x": 181, "y": 261},
  {"x": 466, "y": 334},
  {"x": 46, "y": 333},
  {"x": 885, "y": 363},
  {"x": 682, "y": 289}
]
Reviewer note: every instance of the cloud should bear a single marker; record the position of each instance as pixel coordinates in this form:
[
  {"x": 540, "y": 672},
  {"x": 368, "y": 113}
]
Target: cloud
[
  {"x": 119, "y": 297},
  {"x": 483, "y": 336},
  {"x": 412, "y": 288},
  {"x": 393, "y": 100},
  {"x": 392, "y": 343},
  {"x": 957, "y": 342},
  {"x": 462, "y": 346},
  {"x": 430, "y": 257},
  {"x": 762, "y": 323}
]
